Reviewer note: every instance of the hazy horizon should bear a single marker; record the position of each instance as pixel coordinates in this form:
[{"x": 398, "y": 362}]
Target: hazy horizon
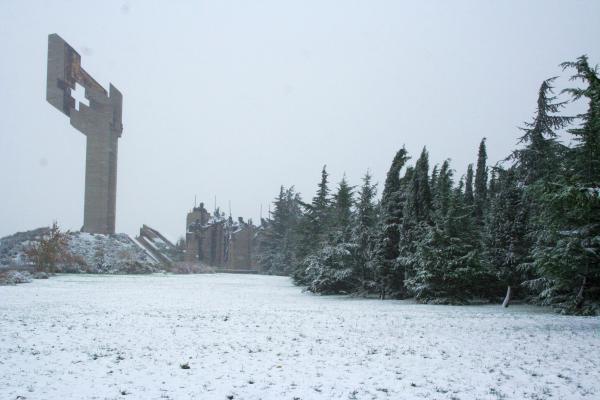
[{"x": 232, "y": 99}]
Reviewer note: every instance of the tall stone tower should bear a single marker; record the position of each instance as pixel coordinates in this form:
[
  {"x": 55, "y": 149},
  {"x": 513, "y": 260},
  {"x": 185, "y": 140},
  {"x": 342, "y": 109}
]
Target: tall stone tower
[{"x": 100, "y": 122}]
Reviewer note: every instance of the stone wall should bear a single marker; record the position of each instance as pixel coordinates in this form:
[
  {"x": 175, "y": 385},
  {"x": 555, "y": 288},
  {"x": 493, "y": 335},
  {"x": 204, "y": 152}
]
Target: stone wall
[{"x": 219, "y": 242}]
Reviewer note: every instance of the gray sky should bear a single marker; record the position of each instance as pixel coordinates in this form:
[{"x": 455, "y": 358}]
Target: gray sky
[{"x": 234, "y": 99}]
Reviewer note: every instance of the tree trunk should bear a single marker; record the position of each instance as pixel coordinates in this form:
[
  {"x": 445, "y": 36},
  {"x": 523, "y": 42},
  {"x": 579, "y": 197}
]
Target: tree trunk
[
  {"x": 507, "y": 297},
  {"x": 579, "y": 299}
]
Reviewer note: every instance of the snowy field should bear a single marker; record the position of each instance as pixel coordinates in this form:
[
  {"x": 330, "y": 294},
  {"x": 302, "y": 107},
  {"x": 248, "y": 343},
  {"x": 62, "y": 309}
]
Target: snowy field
[{"x": 259, "y": 337}]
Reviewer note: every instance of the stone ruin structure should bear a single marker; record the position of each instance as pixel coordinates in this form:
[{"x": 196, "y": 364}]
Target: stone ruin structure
[
  {"x": 159, "y": 247},
  {"x": 100, "y": 122},
  {"x": 220, "y": 242}
]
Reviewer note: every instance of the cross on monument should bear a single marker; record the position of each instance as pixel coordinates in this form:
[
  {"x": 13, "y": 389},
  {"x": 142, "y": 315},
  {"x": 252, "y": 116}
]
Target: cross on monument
[{"x": 100, "y": 122}]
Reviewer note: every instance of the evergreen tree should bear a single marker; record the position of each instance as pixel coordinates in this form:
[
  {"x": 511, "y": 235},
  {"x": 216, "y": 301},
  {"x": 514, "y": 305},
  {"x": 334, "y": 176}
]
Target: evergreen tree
[
  {"x": 342, "y": 209},
  {"x": 416, "y": 218},
  {"x": 481, "y": 177},
  {"x": 363, "y": 234},
  {"x": 278, "y": 239},
  {"x": 434, "y": 176},
  {"x": 539, "y": 159},
  {"x": 420, "y": 192},
  {"x": 317, "y": 217},
  {"x": 315, "y": 226},
  {"x": 567, "y": 252},
  {"x": 505, "y": 239},
  {"x": 391, "y": 217},
  {"x": 331, "y": 269},
  {"x": 442, "y": 190},
  {"x": 539, "y": 163},
  {"x": 447, "y": 266},
  {"x": 392, "y": 180},
  {"x": 533, "y": 229},
  {"x": 587, "y": 136},
  {"x": 469, "y": 186},
  {"x": 493, "y": 185}
]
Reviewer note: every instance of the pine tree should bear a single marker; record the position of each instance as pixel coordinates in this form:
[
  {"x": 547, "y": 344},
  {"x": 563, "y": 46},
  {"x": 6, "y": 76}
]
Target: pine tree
[
  {"x": 539, "y": 159},
  {"x": 587, "y": 136},
  {"x": 343, "y": 202},
  {"x": 278, "y": 240},
  {"x": 317, "y": 216},
  {"x": 331, "y": 269},
  {"x": 315, "y": 226},
  {"x": 538, "y": 164},
  {"x": 271, "y": 234},
  {"x": 567, "y": 252},
  {"x": 363, "y": 235}
]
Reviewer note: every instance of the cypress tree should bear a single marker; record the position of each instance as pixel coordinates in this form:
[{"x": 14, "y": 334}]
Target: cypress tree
[
  {"x": 481, "y": 177},
  {"x": 446, "y": 258},
  {"x": 417, "y": 217},
  {"x": 420, "y": 192},
  {"x": 505, "y": 239},
  {"x": 443, "y": 189},
  {"x": 392, "y": 180},
  {"x": 469, "y": 186},
  {"x": 434, "y": 176},
  {"x": 391, "y": 217}
]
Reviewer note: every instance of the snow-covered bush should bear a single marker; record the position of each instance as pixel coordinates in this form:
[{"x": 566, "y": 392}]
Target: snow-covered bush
[
  {"x": 14, "y": 277},
  {"x": 331, "y": 270}
]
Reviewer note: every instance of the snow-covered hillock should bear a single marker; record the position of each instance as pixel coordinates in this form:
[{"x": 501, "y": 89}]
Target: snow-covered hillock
[
  {"x": 109, "y": 254},
  {"x": 84, "y": 253}
]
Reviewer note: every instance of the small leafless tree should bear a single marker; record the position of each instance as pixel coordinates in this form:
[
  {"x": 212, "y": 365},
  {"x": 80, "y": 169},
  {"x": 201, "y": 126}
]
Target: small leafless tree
[{"x": 46, "y": 253}]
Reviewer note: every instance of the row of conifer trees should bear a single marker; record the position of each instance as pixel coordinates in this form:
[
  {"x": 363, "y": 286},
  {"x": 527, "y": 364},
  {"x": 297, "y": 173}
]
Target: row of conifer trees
[{"x": 527, "y": 227}]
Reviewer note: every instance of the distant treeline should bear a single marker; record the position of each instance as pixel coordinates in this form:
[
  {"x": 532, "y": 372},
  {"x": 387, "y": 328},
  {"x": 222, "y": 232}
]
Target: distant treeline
[{"x": 527, "y": 228}]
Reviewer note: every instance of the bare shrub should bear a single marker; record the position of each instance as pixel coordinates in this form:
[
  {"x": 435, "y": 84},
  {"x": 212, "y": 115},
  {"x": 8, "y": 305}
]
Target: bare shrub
[{"x": 49, "y": 251}]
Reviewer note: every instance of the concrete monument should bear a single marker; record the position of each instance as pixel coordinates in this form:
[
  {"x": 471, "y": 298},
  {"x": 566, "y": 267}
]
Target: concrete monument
[{"x": 100, "y": 122}]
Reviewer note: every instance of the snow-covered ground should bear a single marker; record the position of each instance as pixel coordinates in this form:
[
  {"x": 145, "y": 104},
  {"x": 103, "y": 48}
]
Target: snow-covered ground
[{"x": 259, "y": 337}]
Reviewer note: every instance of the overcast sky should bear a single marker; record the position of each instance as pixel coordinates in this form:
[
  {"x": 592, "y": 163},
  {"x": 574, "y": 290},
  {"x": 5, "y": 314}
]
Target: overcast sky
[{"x": 234, "y": 99}]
